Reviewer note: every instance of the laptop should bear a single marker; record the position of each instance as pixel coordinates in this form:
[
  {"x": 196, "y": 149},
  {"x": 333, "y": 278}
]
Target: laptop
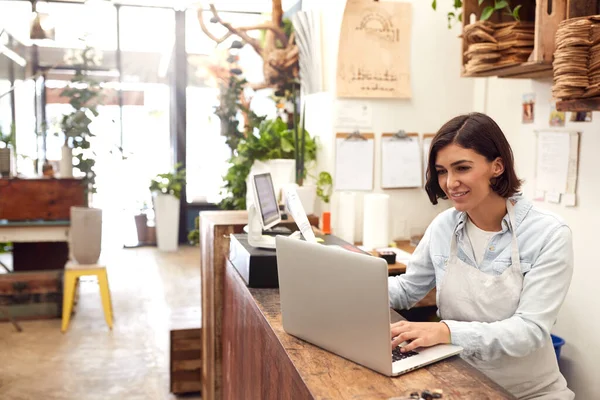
[{"x": 338, "y": 300}]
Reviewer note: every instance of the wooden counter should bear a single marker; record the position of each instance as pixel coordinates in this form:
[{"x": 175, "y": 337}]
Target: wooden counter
[
  {"x": 215, "y": 228},
  {"x": 261, "y": 361}
]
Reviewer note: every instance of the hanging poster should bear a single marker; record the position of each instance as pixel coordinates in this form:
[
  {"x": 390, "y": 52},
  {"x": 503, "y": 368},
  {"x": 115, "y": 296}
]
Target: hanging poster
[{"x": 374, "y": 51}]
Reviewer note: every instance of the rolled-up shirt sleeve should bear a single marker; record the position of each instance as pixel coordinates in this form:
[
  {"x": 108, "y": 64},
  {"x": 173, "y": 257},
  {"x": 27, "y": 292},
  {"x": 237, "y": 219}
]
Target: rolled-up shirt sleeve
[
  {"x": 544, "y": 289},
  {"x": 407, "y": 289}
]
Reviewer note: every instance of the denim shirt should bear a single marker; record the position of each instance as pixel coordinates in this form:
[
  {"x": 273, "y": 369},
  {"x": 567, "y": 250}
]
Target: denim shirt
[{"x": 546, "y": 253}]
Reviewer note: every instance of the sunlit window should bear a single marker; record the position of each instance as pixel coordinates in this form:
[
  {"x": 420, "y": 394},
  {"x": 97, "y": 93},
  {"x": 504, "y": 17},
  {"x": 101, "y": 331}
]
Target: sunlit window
[{"x": 93, "y": 21}]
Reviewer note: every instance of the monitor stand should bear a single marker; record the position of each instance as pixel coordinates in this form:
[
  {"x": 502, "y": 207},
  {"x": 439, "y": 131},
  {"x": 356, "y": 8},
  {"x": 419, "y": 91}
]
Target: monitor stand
[{"x": 255, "y": 234}]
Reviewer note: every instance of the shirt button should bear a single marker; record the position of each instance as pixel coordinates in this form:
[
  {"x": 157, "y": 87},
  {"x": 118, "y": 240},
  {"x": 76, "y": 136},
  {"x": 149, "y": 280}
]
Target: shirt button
[{"x": 492, "y": 248}]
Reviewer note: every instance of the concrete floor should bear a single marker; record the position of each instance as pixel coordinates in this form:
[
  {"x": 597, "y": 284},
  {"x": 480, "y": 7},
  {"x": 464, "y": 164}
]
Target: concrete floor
[{"x": 91, "y": 362}]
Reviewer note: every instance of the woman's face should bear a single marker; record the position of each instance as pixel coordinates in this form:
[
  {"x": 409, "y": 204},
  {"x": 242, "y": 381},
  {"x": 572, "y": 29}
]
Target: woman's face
[{"x": 464, "y": 175}]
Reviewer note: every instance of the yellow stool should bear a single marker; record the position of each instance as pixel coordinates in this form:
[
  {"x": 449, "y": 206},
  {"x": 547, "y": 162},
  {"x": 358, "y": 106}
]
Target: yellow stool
[{"x": 73, "y": 271}]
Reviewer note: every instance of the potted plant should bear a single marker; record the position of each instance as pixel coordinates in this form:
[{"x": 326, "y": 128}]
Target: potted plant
[
  {"x": 84, "y": 94},
  {"x": 7, "y": 152},
  {"x": 141, "y": 222},
  {"x": 270, "y": 150},
  {"x": 166, "y": 193}
]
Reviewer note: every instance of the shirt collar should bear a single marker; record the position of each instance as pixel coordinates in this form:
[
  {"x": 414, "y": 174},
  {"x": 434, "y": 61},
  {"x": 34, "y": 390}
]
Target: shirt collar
[{"x": 521, "y": 208}]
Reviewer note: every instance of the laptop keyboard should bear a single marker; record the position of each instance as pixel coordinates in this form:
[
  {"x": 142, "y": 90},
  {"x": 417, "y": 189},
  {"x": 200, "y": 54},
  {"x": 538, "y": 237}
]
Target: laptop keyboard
[{"x": 397, "y": 355}]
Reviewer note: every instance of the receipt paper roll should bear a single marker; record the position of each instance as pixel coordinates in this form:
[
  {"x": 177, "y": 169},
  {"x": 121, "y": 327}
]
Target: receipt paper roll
[{"x": 376, "y": 221}]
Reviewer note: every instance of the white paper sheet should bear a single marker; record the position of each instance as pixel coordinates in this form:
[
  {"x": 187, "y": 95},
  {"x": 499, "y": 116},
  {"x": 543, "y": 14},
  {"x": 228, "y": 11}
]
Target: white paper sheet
[
  {"x": 354, "y": 164},
  {"x": 553, "y": 152},
  {"x": 400, "y": 162},
  {"x": 353, "y": 115},
  {"x": 569, "y": 200},
  {"x": 553, "y": 197}
]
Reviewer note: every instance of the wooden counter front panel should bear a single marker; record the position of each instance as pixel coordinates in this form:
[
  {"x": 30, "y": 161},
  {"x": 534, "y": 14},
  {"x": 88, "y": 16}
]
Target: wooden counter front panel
[
  {"x": 255, "y": 365},
  {"x": 46, "y": 199}
]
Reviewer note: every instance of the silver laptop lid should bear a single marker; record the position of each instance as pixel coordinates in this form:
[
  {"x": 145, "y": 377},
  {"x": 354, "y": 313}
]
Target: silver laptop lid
[{"x": 337, "y": 300}]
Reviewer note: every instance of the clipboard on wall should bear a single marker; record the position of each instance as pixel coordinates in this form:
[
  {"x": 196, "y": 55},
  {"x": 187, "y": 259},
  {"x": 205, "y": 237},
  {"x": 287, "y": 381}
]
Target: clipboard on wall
[
  {"x": 401, "y": 161},
  {"x": 427, "y": 139},
  {"x": 354, "y": 161}
]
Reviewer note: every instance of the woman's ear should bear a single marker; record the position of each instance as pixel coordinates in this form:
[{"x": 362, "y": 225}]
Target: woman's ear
[{"x": 497, "y": 167}]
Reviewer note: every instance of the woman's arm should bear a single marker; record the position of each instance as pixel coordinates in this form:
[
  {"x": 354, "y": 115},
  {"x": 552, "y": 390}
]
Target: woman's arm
[
  {"x": 407, "y": 289},
  {"x": 544, "y": 289}
]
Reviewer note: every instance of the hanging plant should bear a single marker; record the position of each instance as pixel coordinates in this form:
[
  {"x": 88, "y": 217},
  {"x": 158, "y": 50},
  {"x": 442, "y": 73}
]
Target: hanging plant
[{"x": 456, "y": 14}]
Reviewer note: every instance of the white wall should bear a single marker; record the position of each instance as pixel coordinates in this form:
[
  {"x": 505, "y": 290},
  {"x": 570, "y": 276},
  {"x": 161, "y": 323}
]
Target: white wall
[
  {"x": 579, "y": 319},
  {"x": 438, "y": 95}
]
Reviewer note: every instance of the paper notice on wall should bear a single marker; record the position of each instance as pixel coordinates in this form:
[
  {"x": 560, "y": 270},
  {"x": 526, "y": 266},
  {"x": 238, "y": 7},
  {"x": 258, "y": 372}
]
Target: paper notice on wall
[
  {"x": 539, "y": 195},
  {"x": 552, "y": 169},
  {"x": 553, "y": 197},
  {"x": 573, "y": 163},
  {"x": 569, "y": 200},
  {"x": 352, "y": 115}
]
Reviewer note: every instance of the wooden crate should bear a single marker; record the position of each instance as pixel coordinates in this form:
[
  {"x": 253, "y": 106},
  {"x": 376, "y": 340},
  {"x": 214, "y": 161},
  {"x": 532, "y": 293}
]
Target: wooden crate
[
  {"x": 539, "y": 64},
  {"x": 32, "y": 295},
  {"x": 186, "y": 351},
  {"x": 43, "y": 199}
]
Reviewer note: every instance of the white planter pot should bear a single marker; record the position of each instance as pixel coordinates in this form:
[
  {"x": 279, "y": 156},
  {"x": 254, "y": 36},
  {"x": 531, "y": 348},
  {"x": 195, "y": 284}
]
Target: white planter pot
[
  {"x": 308, "y": 197},
  {"x": 282, "y": 172},
  {"x": 86, "y": 234},
  {"x": 166, "y": 209},
  {"x": 65, "y": 167}
]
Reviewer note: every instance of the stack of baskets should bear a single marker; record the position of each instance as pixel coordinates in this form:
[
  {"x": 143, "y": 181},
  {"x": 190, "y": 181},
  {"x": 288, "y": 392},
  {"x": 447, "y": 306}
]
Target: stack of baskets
[
  {"x": 496, "y": 45},
  {"x": 576, "y": 63}
]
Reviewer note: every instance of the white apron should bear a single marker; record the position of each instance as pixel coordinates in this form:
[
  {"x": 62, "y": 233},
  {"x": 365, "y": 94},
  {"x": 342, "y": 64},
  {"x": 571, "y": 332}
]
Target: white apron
[{"x": 467, "y": 294}]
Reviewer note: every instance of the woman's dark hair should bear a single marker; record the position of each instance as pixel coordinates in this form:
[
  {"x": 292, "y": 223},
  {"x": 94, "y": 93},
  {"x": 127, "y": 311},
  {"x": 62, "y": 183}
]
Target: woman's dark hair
[{"x": 480, "y": 133}]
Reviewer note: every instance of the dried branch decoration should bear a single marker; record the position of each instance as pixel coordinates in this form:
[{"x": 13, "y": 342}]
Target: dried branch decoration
[{"x": 279, "y": 53}]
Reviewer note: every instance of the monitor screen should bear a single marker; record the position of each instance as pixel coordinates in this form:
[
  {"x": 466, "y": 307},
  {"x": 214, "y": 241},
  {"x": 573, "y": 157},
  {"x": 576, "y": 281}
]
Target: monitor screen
[{"x": 265, "y": 195}]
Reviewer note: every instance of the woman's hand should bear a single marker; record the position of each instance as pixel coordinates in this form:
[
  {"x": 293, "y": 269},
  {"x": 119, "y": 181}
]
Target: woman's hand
[{"x": 419, "y": 334}]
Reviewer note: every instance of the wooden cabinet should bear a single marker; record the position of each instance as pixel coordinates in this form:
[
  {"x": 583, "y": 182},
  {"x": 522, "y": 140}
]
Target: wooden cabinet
[{"x": 40, "y": 199}]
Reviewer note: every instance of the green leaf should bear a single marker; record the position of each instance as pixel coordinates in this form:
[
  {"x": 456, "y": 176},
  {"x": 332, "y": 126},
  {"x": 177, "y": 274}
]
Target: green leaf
[
  {"x": 499, "y": 5},
  {"x": 459, "y": 17},
  {"x": 286, "y": 145},
  {"x": 480, "y": 2},
  {"x": 487, "y": 13},
  {"x": 457, "y": 4},
  {"x": 515, "y": 12},
  {"x": 434, "y": 4}
]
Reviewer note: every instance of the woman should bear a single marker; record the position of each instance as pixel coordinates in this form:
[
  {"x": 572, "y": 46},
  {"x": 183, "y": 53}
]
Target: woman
[{"x": 501, "y": 267}]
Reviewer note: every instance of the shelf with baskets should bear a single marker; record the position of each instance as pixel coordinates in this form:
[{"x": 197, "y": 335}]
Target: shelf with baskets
[{"x": 504, "y": 47}]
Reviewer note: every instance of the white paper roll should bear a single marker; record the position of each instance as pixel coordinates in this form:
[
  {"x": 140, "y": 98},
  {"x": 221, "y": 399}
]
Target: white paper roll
[
  {"x": 346, "y": 216},
  {"x": 376, "y": 220}
]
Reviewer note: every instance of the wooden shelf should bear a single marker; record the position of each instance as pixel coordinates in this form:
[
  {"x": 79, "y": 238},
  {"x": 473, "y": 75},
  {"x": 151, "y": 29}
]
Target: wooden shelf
[
  {"x": 589, "y": 104},
  {"x": 527, "y": 70}
]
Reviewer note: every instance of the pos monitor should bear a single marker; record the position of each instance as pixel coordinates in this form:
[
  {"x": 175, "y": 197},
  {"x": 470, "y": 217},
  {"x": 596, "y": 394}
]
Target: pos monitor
[{"x": 265, "y": 200}]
